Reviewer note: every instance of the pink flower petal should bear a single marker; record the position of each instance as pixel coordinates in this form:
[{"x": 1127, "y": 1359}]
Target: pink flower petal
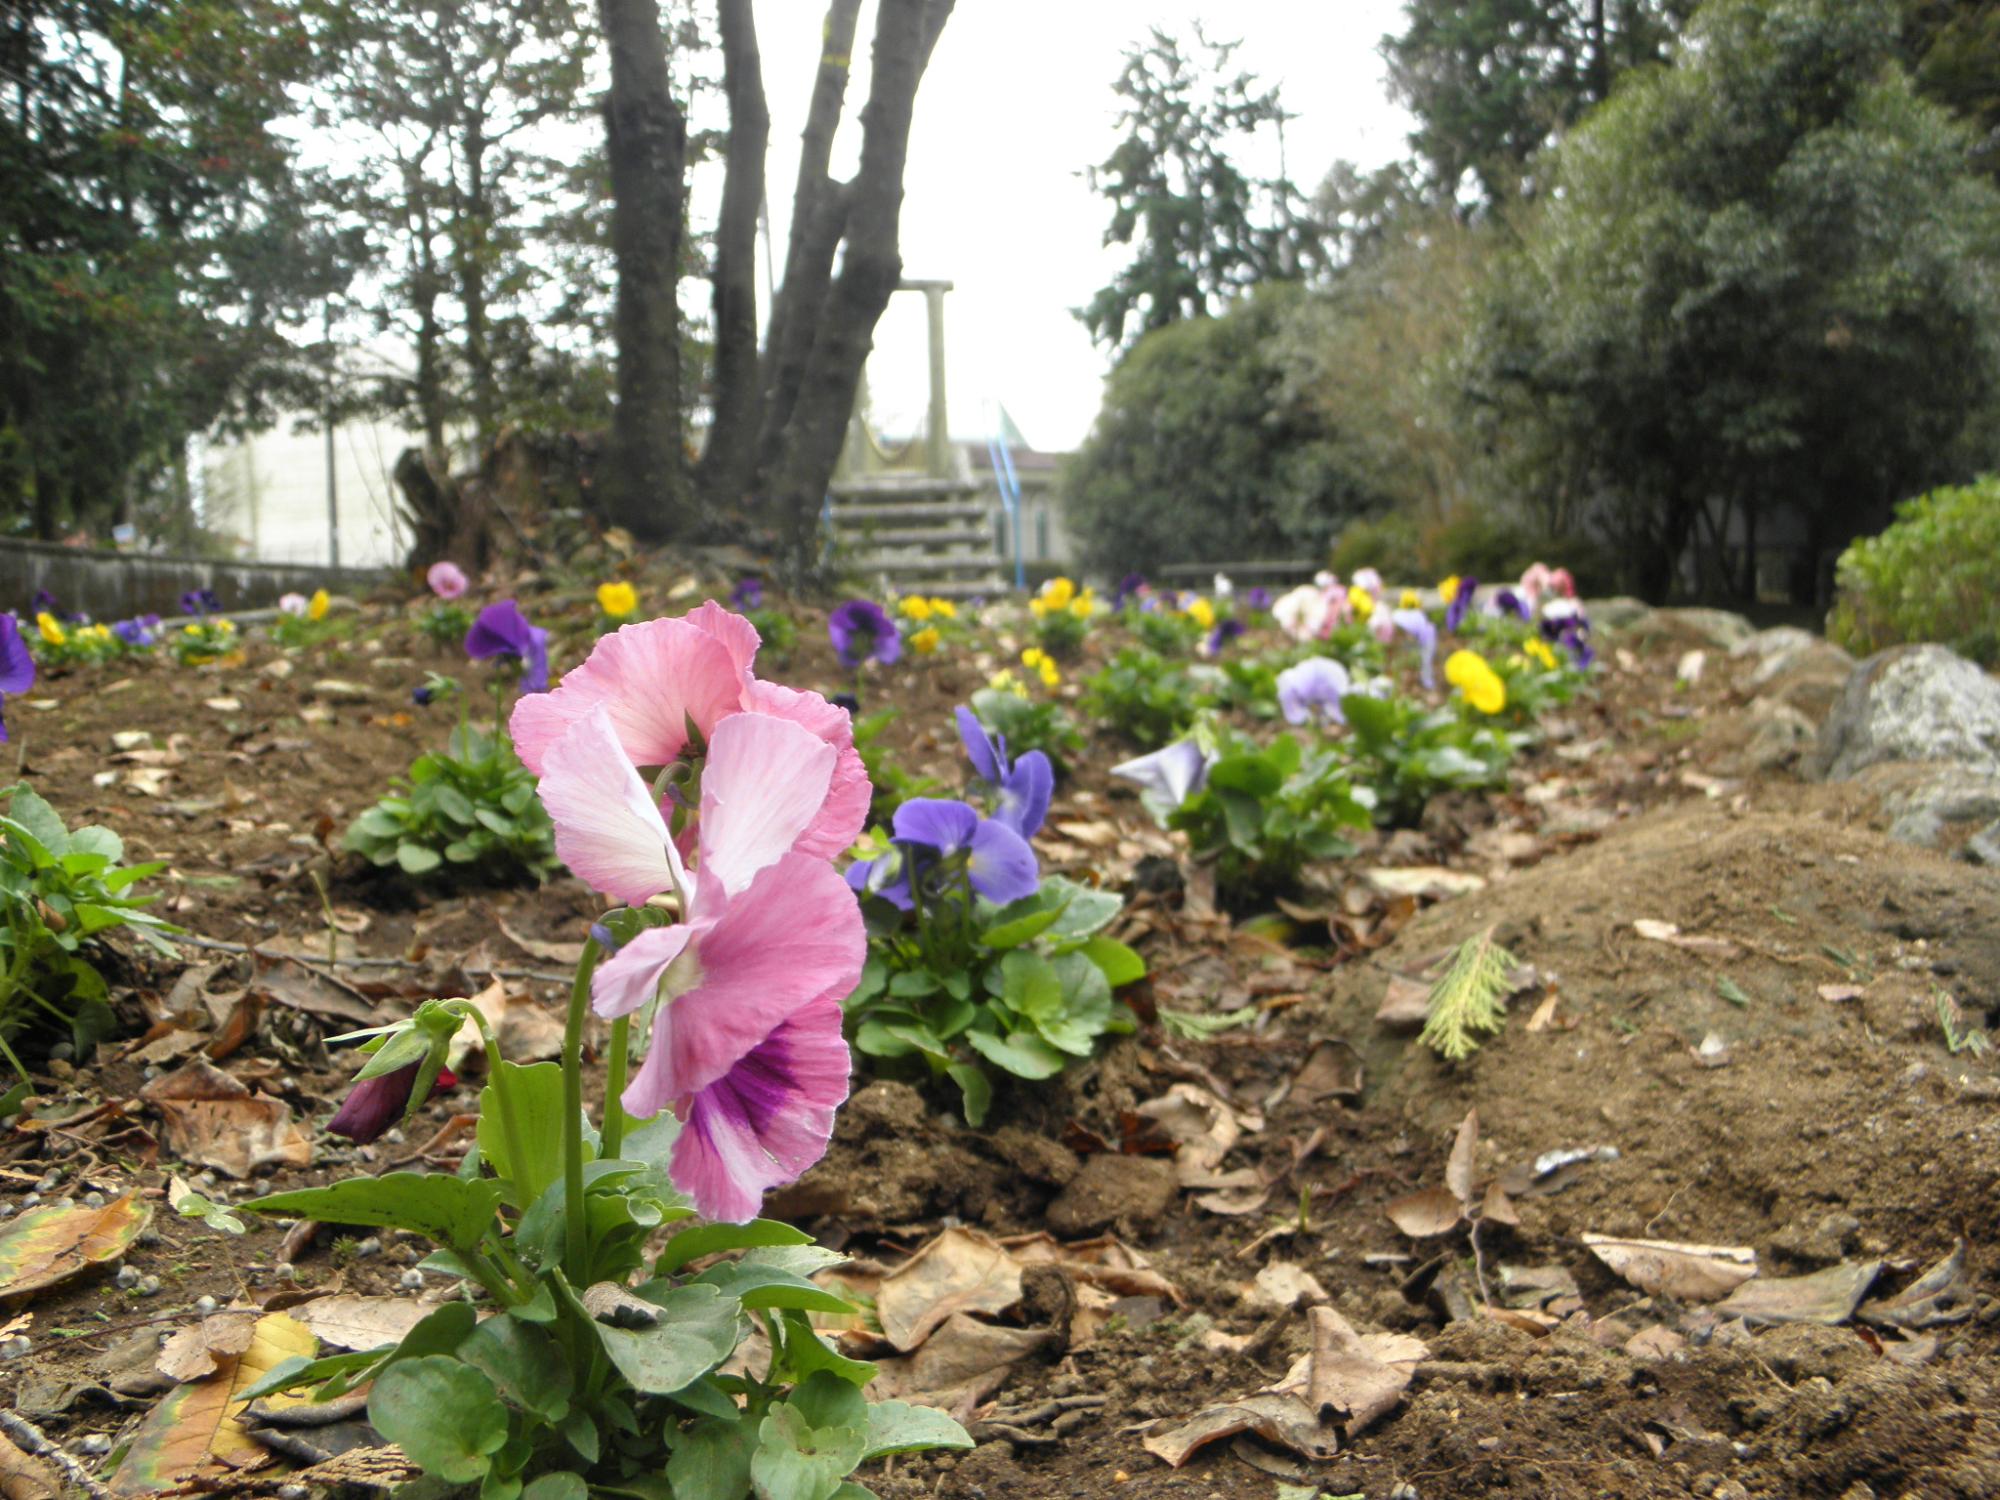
[
  {"x": 738, "y": 636},
  {"x": 768, "y": 1120},
  {"x": 796, "y": 936},
  {"x": 762, "y": 788},
  {"x": 652, "y": 677},
  {"x": 608, "y": 828},
  {"x": 845, "y": 812},
  {"x": 628, "y": 979}
]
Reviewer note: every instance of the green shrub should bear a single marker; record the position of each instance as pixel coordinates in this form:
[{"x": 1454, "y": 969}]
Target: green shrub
[
  {"x": 1934, "y": 575},
  {"x": 471, "y": 807},
  {"x": 61, "y": 888}
]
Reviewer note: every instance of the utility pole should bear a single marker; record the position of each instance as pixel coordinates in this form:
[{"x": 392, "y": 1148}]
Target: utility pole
[{"x": 332, "y": 475}]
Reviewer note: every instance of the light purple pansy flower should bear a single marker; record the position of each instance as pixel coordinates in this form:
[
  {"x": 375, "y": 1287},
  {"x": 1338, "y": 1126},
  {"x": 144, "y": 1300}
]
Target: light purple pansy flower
[
  {"x": 1025, "y": 785},
  {"x": 1167, "y": 778},
  {"x": 17, "y": 666},
  {"x": 1417, "y": 625},
  {"x": 1311, "y": 691}
]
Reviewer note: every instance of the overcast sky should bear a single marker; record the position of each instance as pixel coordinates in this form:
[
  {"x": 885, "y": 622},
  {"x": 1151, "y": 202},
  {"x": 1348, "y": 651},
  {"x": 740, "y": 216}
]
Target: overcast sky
[{"x": 1017, "y": 101}]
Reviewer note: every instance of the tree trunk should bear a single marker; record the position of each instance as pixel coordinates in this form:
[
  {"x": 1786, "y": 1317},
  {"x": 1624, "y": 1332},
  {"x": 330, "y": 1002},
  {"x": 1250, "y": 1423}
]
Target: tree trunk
[
  {"x": 871, "y": 267},
  {"x": 723, "y": 479},
  {"x": 819, "y": 216},
  {"x": 645, "y": 487},
  {"x": 469, "y": 240},
  {"x": 1600, "y": 54}
]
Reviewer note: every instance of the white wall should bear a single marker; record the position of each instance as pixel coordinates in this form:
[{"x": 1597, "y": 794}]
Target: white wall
[{"x": 269, "y": 493}]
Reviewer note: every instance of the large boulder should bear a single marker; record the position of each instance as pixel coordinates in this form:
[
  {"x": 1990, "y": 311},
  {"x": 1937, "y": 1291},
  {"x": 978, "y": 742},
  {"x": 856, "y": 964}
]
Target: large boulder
[
  {"x": 1809, "y": 677},
  {"x": 1935, "y": 805},
  {"x": 1689, "y": 629},
  {"x": 1916, "y": 703},
  {"x": 1768, "y": 643}
]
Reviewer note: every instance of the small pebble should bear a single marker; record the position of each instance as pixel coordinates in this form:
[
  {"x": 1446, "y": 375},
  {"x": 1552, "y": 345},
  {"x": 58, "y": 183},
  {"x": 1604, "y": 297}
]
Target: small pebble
[
  {"x": 63, "y": 1051},
  {"x": 393, "y": 1138},
  {"x": 31, "y": 1200},
  {"x": 286, "y": 1272},
  {"x": 15, "y": 1347},
  {"x": 152, "y": 1072},
  {"x": 95, "y": 1444},
  {"x": 370, "y": 1246},
  {"x": 49, "y": 1182},
  {"x": 93, "y": 1200},
  {"x": 148, "y": 1286},
  {"x": 413, "y": 1280},
  {"x": 206, "y": 1305},
  {"x": 293, "y": 1492},
  {"x": 127, "y": 1277}
]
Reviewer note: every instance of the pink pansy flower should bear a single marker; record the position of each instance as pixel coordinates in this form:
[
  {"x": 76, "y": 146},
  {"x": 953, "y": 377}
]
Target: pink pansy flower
[
  {"x": 746, "y": 1044},
  {"x": 447, "y": 580},
  {"x": 1535, "y": 582},
  {"x": 655, "y": 677},
  {"x": 1561, "y": 583},
  {"x": 1369, "y": 579}
]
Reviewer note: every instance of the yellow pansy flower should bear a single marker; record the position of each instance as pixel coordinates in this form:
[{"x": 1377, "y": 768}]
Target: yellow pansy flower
[
  {"x": 1201, "y": 612},
  {"x": 1082, "y": 605},
  {"x": 1409, "y": 600},
  {"x": 925, "y": 641},
  {"x": 1448, "y": 590},
  {"x": 1539, "y": 650},
  {"x": 1361, "y": 602},
  {"x": 316, "y": 609},
  {"x": 617, "y": 599},
  {"x": 914, "y": 607},
  {"x": 51, "y": 628},
  {"x": 1004, "y": 681},
  {"x": 944, "y": 609},
  {"x": 1057, "y": 593},
  {"x": 1468, "y": 672},
  {"x": 1043, "y": 664}
]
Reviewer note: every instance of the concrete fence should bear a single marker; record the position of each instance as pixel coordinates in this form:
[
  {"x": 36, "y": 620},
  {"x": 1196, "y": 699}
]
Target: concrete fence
[{"x": 114, "y": 585}]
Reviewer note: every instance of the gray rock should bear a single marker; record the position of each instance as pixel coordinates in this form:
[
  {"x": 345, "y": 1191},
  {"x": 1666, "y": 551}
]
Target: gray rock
[
  {"x": 1769, "y": 643},
  {"x": 1618, "y": 613},
  {"x": 1933, "y": 804},
  {"x": 1809, "y": 656},
  {"x": 1809, "y": 678},
  {"x": 1716, "y": 629},
  {"x": 1983, "y": 848},
  {"x": 1920, "y": 703},
  {"x": 1782, "y": 735}
]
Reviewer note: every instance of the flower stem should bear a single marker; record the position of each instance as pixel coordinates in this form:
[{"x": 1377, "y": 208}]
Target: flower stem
[
  {"x": 614, "y": 1086},
  {"x": 576, "y": 1231}
]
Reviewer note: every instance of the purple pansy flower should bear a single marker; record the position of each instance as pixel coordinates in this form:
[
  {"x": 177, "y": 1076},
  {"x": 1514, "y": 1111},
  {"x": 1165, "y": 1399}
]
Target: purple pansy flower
[
  {"x": 862, "y": 631},
  {"x": 1225, "y": 631},
  {"x": 1506, "y": 601},
  {"x": 928, "y": 832},
  {"x": 17, "y": 666},
  {"x": 44, "y": 603},
  {"x": 200, "y": 602},
  {"x": 1312, "y": 690},
  {"x": 1417, "y": 625},
  {"x": 502, "y": 630},
  {"x": 747, "y": 595},
  {"x": 1257, "y": 599},
  {"x": 1461, "y": 604},
  {"x": 1130, "y": 586},
  {"x": 1024, "y": 785},
  {"x": 138, "y": 631}
]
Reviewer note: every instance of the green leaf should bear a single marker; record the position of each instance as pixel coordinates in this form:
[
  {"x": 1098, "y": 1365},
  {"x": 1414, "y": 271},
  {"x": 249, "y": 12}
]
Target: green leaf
[
  {"x": 808, "y": 1444},
  {"x": 444, "y": 1414},
  {"x": 580, "y": 1432},
  {"x": 711, "y": 1239},
  {"x": 913, "y": 984},
  {"x": 557, "y": 1486},
  {"x": 416, "y": 859},
  {"x": 1024, "y": 920},
  {"x": 1085, "y": 909},
  {"x": 806, "y": 1352},
  {"x": 523, "y": 1363},
  {"x": 758, "y": 1285},
  {"x": 711, "y": 1461},
  {"x": 536, "y": 1093},
  {"x": 1119, "y": 964},
  {"x": 1029, "y": 986},
  {"x": 442, "y": 1208},
  {"x": 40, "y": 822},
  {"x": 975, "y": 1091},
  {"x": 899, "y": 1427},
  {"x": 1022, "y": 1053},
  {"x": 697, "y": 1331}
]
